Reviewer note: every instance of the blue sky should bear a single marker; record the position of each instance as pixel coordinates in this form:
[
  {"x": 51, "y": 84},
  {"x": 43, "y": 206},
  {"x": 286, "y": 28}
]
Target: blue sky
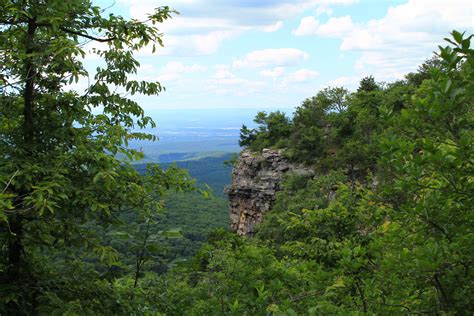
[{"x": 272, "y": 54}]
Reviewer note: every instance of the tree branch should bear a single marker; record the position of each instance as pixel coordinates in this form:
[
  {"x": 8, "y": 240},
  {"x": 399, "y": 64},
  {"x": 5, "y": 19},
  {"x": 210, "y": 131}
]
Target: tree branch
[
  {"x": 62, "y": 28},
  {"x": 97, "y": 39},
  {"x": 10, "y": 181}
]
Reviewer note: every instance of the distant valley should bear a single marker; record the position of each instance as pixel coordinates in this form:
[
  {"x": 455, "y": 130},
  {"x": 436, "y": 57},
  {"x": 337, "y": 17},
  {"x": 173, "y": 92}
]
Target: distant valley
[{"x": 194, "y": 134}]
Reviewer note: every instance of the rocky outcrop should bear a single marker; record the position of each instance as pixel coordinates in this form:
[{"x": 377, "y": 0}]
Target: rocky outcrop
[{"x": 255, "y": 180}]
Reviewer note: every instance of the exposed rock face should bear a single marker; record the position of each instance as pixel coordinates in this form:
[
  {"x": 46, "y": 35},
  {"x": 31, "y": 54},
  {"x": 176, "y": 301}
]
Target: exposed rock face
[{"x": 255, "y": 180}]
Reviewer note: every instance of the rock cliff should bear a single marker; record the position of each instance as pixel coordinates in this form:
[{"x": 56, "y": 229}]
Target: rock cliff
[{"x": 255, "y": 180}]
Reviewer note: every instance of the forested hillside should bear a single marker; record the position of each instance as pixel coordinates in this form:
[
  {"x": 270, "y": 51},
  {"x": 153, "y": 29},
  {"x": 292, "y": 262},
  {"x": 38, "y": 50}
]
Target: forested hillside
[
  {"x": 189, "y": 216},
  {"x": 211, "y": 171},
  {"x": 384, "y": 227}
]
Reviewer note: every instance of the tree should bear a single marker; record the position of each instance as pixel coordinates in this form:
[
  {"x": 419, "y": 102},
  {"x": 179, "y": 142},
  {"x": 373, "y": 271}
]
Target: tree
[
  {"x": 247, "y": 136},
  {"x": 427, "y": 158},
  {"x": 58, "y": 148},
  {"x": 333, "y": 99},
  {"x": 424, "y": 71},
  {"x": 272, "y": 128},
  {"x": 367, "y": 84}
]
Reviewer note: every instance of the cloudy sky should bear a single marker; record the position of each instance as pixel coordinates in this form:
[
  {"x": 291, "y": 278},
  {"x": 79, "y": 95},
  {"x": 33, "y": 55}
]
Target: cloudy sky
[{"x": 272, "y": 54}]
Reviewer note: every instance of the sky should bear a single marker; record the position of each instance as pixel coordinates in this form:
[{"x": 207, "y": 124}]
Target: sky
[{"x": 272, "y": 54}]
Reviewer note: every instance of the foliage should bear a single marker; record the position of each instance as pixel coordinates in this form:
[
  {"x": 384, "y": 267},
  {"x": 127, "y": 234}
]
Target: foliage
[
  {"x": 367, "y": 84},
  {"x": 273, "y": 128},
  {"x": 335, "y": 128},
  {"x": 428, "y": 155},
  {"x": 394, "y": 240},
  {"x": 171, "y": 237},
  {"x": 58, "y": 169},
  {"x": 384, "y": 229}
]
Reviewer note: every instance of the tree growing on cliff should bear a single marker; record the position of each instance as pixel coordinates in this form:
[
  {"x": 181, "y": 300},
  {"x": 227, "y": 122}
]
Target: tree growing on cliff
[
  {"x": 272, "y": 128},
  {"x": 58, "y": 165}
]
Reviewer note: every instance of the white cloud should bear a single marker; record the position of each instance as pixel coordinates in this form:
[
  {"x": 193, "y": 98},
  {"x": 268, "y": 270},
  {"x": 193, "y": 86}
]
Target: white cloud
[
  {"x": 341, "y": 81},
  {"x": 323, "y": 9},
  {"x": 287, "y": 10},
  {"x": 273, "y": 73},
  {"x": 307, "y": 26},
  {"x": 222, "y": 72},
  {"x": 349, "y": 82},
  {"x": 176, "y": 66},
  {"x": 398, "y": 42},
  {"x": 183, "y": 25},
  {"x": 334, "y": 27},
  {"x": 195, "y": 32},
  {"x": 418, "y": 22},
  {"x": 224, "y": 82},
  {"x": 190, "y": 45},
  {"x": 299, "y": 76},
  {"x": 272, "y": 27},
  {"x": 172, "y": 71},
  {"x": 271, "y": 57},
  {"x": 257, "y": 13},
  {"x": 209, "y": 43}
]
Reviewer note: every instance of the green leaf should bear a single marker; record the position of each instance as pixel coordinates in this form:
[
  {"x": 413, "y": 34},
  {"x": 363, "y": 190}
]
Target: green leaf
[{"x": 457, "y": 36}]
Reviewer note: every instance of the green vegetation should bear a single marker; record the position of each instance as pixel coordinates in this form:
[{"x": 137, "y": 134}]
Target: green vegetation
[
  {"x": 192, "y": 215},
  {"x": 385, "y": 228},
  {"x": 58, "y": 172},
  {"x": 170, "y": 237},
  {"x": 212, "y": 172}
]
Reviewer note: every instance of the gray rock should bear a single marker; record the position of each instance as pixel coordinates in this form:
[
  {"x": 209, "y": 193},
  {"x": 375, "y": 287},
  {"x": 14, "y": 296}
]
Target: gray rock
[
  {"x": 283, "y": 167},
  {"x": 256, "y": 179}
]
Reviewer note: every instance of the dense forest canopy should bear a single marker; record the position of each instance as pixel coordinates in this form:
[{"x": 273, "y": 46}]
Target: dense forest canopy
[{"x": 384, "y": 228}]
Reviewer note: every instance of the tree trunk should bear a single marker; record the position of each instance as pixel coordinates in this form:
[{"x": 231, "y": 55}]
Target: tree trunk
[
  {"x": 15, "y": 248},
  {"x": 30, "y": 73},
  {"x": 14, "y": 269}
]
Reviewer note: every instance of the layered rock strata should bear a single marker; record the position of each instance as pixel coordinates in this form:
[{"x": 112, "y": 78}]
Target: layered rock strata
[{"x": 256, "y": 179}]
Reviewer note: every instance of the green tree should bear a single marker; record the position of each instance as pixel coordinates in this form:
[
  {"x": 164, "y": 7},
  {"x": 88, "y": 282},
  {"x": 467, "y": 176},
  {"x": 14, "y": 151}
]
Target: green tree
[
  {"x": 367, "y": 84},
  {"x": 58, "y": 148},
  {"x": 272, "y": 131},
  {"x": 424, "y": 71},
  {"x": 333, "y": 99},
  {"x": 247, "y": 136},
  {"x": 427, "y": 160}
]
